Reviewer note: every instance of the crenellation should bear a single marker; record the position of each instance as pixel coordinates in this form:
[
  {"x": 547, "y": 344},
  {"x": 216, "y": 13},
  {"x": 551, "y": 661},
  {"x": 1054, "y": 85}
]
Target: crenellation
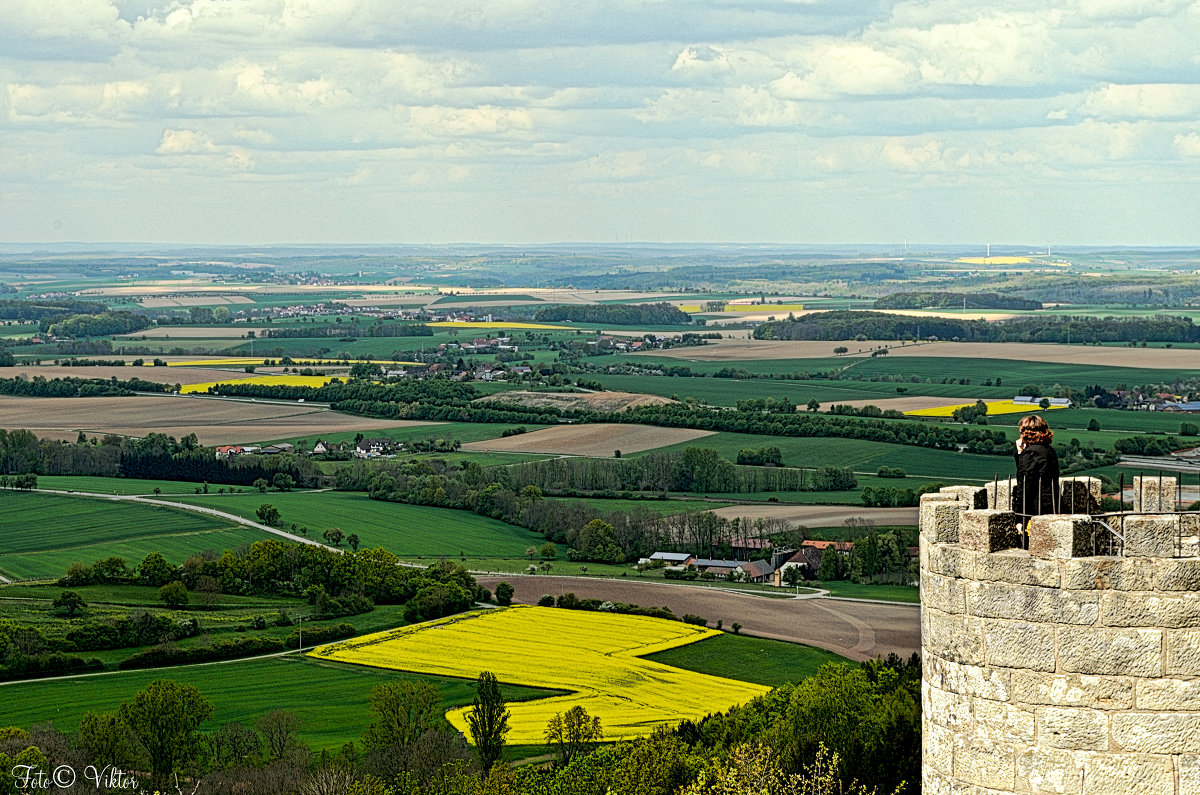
[{"x": 1052, "y": 669}]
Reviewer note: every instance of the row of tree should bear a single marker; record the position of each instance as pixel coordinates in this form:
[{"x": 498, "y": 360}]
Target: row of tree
[
  {"x": 849, "y": 325},
  {"x": 660, "y": 314}
]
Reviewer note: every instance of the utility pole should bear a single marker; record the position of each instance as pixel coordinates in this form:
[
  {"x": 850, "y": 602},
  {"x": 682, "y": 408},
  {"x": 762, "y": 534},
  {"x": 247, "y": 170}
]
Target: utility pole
[{"x": 300, "y": 625}]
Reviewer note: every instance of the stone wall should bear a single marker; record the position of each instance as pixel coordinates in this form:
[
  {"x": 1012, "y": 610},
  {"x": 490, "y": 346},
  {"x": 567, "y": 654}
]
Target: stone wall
[{"x": 1054, "y": 670}]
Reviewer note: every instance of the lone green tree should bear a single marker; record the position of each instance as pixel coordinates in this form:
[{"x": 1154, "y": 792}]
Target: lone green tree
[
  {"x": 573, "y": 733},
  {"x": 174, "y": 594},
  {"x": 488, "y": 720},
  {"x": 165, "y": 717},
  {"x": 504, "y": 593},
  {"x": 267, "y": 514},
  {"x": 68, "y": 602}
]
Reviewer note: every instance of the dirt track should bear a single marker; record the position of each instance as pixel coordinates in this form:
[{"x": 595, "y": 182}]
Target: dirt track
[{"x": 858, "y": 630}]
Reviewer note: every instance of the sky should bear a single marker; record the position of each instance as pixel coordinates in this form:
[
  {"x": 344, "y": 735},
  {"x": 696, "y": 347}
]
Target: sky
[{"x": 524, "y": 121}]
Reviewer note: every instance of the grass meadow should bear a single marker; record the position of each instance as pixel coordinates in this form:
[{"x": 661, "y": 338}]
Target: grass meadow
[
  {"x": 410, "y": 531},
  {"x": 45, "y": 533}
]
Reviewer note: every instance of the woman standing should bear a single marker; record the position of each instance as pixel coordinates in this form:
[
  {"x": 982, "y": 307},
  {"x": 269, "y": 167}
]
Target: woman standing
[{"x": 1036, "y": 491}]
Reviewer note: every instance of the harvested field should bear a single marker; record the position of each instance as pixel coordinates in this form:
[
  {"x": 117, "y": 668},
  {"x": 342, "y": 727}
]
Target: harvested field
[
  {"x": 591, "y": 440},
  {"x": 193, "y": 300},
  {"x": 194, "y": 332},
  {"x": 214, "y": 421},
  {"x": 593, "y": 401},
  {"x": 159, "y": 375},
  {"x": 858, "y": 630},
  {"x": 822, "y": 515}
]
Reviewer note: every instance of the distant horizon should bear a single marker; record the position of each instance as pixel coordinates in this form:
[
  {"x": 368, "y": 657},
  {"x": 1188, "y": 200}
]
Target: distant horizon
[
  {"x": 913, "y": 248},
  {"x": 787, "y": 120}
]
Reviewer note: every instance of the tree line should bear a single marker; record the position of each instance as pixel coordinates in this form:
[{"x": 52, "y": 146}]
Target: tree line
[
  {"x": 659, "y": 314},
  {"x": 849, "y": 325}
]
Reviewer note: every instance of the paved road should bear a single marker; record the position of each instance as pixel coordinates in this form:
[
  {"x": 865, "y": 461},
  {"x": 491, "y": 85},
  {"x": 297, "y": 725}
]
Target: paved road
[{"x": 858, "y": 630}]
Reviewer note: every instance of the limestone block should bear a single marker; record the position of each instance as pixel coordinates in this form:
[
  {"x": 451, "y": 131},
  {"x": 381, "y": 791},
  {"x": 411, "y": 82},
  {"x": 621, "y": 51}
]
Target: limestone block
[
  {"x": 1183, "y": 652},
  {"x": 937, "y": 747},
  {"x": 951, "y": 710},
  {"x": 934, "y": 783},
  {"x": 1150, "y": 536},
  {"x": 1165, "y": 695},
  {"x": 1020, "y": 644},
  {"x": 1060, "y": 536},
  {"x": 1079, "y": 495},
  {"x": 954, "y": 638},
  {"x": 999, "y": 494},
  {"x": 985, "y": 763},
  {"x": 1177, "y": 575},
  {"x": 970, "y": 680},
  {"x": 1128, "y": 774},
  {"x": 1107, "y": 573},
  {"x": 952, "y": 561},
  {"x": 1134, "y": 609},
  {"x": 1153, "y": 733},
  {"x": 1189, "y": 774},
  {"x": 1018, "y": 567},
  {"x": 973, "y": 496},
  {"x": 943, "y": 593},
  {"x": 1041, "y": 605},
  {"x": 1049, "y": 770},
  {"x": 988, "y": 531},
  {"x": 1112, "y": 652},
  {"x": 1069, "y": 690},
  {"x": 1004, "y": 723},
  {"x": 1073, "y": 729},
  {"x": 1153, "y": 494},
  {"x": 939, "y": 516}
]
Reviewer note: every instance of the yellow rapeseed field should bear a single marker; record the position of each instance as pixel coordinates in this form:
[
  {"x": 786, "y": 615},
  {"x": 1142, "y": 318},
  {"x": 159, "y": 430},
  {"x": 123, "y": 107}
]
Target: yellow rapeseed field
[
  {"x": 272, "y": 380},
  {"x": 994, "y": 407},
  {"x": 485, "y": 324},
  {"x": 239, "y": 361},
  {"x": 596, "y": 656},
  {"x": 995, "y": 260}
]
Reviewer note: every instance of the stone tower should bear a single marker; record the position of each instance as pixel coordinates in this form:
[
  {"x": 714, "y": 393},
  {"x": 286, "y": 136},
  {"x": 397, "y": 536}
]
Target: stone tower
[{"x": 1057, "y": 669}]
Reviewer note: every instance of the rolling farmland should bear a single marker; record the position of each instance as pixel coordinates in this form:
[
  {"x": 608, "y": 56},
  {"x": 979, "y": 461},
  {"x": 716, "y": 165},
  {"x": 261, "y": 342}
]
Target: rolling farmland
[
  {"x": 605, "y": 671},
  {"x": 45, "y": 533}
]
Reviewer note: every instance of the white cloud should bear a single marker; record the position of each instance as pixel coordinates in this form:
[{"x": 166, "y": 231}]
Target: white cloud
[
  {"x": 1145, "y": 101},
  {"x": 185, "y": 142},
  {"x": 1188, "y": 145}
]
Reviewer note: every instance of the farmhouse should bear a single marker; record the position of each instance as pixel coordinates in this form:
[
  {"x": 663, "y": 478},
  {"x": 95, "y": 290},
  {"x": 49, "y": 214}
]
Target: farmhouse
[
  {"x": 372, "y": 448},
  {"x": 672, "y": 558},
  {"x": 757, "y": 570},
  {"x": 228, "y": 450}
]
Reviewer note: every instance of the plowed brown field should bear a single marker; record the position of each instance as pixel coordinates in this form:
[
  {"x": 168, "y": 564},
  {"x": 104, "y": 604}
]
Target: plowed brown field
[
  {"x": 214, "y": 421},
  {"x": 592, "y": 440},
  {"x": 858, "y": 630}
]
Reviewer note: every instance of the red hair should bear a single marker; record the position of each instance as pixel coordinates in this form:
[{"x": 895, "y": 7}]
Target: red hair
[{"x": 1034, "y": 430}]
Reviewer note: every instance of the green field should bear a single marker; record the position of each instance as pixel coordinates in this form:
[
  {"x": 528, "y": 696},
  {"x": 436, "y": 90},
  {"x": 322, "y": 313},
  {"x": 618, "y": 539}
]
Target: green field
[
  {"x": 329, "y": 698},
  {"x": 407, "y": 530},
  {"x": 463, "y": 431},
  {"x": 861, "y": 455},
  {"x": 98, "y": 485},
  {"x": 888, "y": 593},
  {"x": 664, "y": 507},
  {"x": 45, "y": 533},
  {"x": 758, "y": 660}
]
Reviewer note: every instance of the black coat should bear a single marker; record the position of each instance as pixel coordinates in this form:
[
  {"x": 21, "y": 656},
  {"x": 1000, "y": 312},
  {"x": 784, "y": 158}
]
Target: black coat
[{"x": 1036, "y": 490}]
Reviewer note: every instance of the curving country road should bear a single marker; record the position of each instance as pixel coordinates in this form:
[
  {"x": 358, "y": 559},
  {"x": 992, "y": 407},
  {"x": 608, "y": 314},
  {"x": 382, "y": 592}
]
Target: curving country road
[{"x": 858, "y": 630}]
